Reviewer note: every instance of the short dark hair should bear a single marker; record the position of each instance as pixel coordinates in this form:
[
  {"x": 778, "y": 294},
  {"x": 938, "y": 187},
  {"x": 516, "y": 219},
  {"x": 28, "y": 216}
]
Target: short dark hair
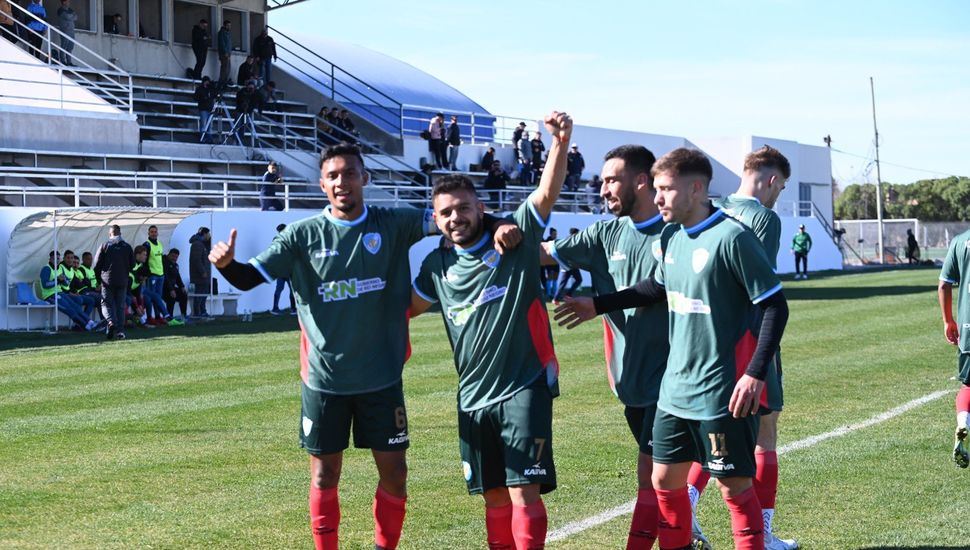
[
  {"x": 51, "y": 255},
  {"x": 683, "y": 161},
  {"x": 573, "y": 230},
  {"x": 86, "y": 255},
  {"x": 637, "y": 159},
  {"x": 114, "y": 230},
  {"x": 767, "y": 157},
  {"x": 203, "y": 21},
  {"x": 203, "y": 230},
  {"x": 452, "y": 183},
  {"x": 139, "y": 249},
  {"x": 66, "y": 252},
  {"x": 150, "y": 227},
  {"x": 342, "y": 149},
  {"x": 439, "y": 114},
  {"x": 174, "y": 251},
  {"x": 280, "y": 227}
]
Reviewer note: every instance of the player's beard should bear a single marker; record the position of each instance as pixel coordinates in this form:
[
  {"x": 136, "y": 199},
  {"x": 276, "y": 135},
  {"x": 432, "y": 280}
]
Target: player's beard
[
  {"x": 625, "y": 203},
  {"x": 469, "y": 233}
]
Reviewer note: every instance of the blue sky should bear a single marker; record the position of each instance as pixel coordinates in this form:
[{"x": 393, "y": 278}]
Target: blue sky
[{"x": 785, "y": 69}]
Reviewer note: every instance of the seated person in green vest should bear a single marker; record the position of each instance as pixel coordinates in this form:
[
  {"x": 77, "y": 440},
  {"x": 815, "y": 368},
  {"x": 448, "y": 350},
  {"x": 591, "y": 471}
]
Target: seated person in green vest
[
  {"x": 156, "y": 278},
  {"x": 174, "y": 286},
  {"x": 68, "y": 268},
  {"x": 142, "y": 276},
  {"x": 51, "y": 279},
  {"x": 85, "y": 284}
]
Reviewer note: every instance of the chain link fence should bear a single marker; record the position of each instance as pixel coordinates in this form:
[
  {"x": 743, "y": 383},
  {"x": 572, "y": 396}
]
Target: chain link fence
[{"x": 862, "y": 236}]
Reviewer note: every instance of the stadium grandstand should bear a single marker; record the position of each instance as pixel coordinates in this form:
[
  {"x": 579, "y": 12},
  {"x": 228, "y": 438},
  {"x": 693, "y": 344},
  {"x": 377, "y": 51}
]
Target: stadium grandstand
[{"x": 103, "y": 128}]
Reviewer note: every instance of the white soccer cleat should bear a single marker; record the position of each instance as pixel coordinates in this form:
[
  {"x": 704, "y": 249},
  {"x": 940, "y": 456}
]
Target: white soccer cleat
[
  {"x": 774, "y": 543},
  {"x": 698, "y": 540}
]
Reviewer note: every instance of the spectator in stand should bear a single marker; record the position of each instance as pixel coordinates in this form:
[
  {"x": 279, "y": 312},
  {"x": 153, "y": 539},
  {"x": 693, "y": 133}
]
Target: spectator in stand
[
  {"x": 567, "y": 274},
  {"x": 436, "y": 127},
  {"x": 525, "y": 160},
  {"x": 153, "y": 300},
  {"x": 280, "y": 283},
  {"x": 51, "y": 282},
  {"x": 593, "y": 198},
  {"x": 267, "y": 96},
  {"x": 247, "y": 100},
  {"x": 114, "y": 24},
  {"x": 267, "y": 189},
  {"x": 486, "y": 163},
  {"x": 575, "y": 164},
  {"x": 112, "y": 264},
  {"x": 155, "y": 270},
  {"x": 454, "y": 141},
  {"x": 36, "y": 38},
  {"x": 66, "y": 17},
  {"x": 324, "y": 127},
  {"x": 246, "y": 71},
  {"x": 495, "y": 182},
  {"x": 7, "y": 27},
  {"x": 201, "y": 40},
  {"x": 224, "y": 46},
  {"x": 205, "y": 97},
  {"x": 346, "y": 124},
  {"x": 264, "y": 47},
  {"x": 200, "y": 270},
  {"x": 538, "y": 148},
  {"x": 517, "y": 137},
  {"x": 174, "y": 287}
]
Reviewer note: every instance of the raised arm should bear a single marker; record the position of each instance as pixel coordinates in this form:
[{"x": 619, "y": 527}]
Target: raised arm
[{"x": 560, "y": 127}]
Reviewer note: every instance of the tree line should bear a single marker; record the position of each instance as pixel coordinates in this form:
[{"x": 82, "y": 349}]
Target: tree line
[{"x": 946, "y": 199}]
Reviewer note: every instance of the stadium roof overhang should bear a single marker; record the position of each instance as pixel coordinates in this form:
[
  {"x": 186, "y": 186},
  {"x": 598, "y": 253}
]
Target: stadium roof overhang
[
  {"x": 82, "y": 230},
  {"x": 276, "y": 4}
]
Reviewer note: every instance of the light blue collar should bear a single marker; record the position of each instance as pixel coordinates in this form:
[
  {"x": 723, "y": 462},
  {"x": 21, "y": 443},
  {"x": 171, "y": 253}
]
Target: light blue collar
[{"x": 345, "y": 223}]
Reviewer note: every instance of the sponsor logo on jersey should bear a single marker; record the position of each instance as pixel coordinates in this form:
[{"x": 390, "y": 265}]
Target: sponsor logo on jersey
[
  {"x": 491, "y": 259},
  {"x": 401, "y": 437},
  {"x": 534, "y": 470},
  {"x": 335, "y": 291},
  {"x": 718, "y": 465},
  {"x": 699, "y": 259},
  {"x": 307, "y": 425},
  {"x": 451, "y": 276},
  {"x": 669, "y": 260},
  {"x": 325, "y": 253},
  {"x": 372, "y": 242},
  {"x": 678, "y": 303},
  {"x": 617, "y": 256},
  {"x": 466, "y": 470},
  {"x": 658, "y": 252},
  {"x": 460, "y": 314}
]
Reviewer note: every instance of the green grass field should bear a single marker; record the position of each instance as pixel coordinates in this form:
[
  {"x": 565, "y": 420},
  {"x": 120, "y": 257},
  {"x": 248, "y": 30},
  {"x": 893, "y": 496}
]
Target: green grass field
[{"x": 187, "y": 438}]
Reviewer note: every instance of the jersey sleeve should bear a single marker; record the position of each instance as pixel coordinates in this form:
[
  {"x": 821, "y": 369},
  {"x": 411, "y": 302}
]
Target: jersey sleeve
[
  {"x": 951, "y": 266},
  {"x": 579, "y": 250},
  {"x": 424, "y": 282},
  {"x": 751, "y": 267},
  {"x": 659, "y": 272},
  {"x": 415, "y": 223},
  {"x": 768, "y": 231},
  {"x": 276, "y": 262},
  {"x": 530, "y": 222}
]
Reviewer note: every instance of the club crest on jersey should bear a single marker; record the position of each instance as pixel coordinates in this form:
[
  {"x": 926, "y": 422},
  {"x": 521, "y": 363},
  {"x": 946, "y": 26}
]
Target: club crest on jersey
[
  {"x": 699, "y": 259},
  {"x": 491, "y": 259},
  {"x": 656, "y": 250},
  {"x": 372, "y": 242},
  {"x": 307, "y": 425}
]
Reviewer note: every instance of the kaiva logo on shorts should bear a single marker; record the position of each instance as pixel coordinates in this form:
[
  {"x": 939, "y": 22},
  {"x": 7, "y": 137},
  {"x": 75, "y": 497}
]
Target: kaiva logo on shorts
[
  {"x": 718, "y": 465},
  {"x": 401, "y": 437},
  {"x": 534, "y": 470},
  {"x": 372, "y": 242},
  {"x": 335, "y": 291}
]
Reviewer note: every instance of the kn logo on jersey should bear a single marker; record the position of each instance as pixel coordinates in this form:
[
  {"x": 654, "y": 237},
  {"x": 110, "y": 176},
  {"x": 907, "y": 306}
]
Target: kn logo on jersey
[{"x": 372, "y": 242}]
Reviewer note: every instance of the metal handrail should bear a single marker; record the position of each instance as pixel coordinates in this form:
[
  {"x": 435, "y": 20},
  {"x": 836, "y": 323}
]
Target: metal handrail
[
  {"x": 112, "y": 68},
  {"x": 500, "y": 127}
]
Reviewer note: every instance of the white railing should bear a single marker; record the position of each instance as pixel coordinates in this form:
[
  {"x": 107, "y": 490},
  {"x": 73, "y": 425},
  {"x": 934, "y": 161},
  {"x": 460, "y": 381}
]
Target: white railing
[
  {"x": 476, "y": 128},
  {"x": 802, "y": 209}
]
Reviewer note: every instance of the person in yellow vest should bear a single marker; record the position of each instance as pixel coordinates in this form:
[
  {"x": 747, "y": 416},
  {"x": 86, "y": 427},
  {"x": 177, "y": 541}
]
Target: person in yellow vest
[
  {"x": 51, "y": 281},
  {"x": 143, "y": 277},
  {"x": 68, "y": 268},
  {"x": 86, "y": 281},
  {"x": 156, "y": 278}
]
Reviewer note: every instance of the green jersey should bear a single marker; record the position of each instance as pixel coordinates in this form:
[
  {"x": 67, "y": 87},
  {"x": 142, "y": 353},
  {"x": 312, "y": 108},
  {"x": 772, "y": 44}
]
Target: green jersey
[
  {"x": 758, "y": 218},
  {"x": 714, "y": 274},
  {"x": 352, "y": 287},
  {"x": 801, "y": 242},
  {"x": 956, "y": 271},
  {"x": 494, "y": 313},
  {"x": 620, "y": 253}
]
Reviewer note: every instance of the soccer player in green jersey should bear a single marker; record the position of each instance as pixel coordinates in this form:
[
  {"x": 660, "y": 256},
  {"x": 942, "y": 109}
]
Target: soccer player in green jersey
[
  {"x": 712, "y": 274},
  {"x": 496, "y": 321},
  {"x": 348, "y": 268},
  {"x": 762, "y": 180},
  {"x": 619, "y": 253},
  {"x": 956, "y": 273}
]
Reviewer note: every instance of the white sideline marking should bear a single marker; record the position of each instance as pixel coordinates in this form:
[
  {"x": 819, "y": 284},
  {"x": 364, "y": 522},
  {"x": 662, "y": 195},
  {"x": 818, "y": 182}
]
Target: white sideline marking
[{"x": 571, "y": 529}]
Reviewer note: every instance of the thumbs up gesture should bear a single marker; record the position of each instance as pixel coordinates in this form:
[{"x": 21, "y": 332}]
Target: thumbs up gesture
[{"x": 222, "y": 254}]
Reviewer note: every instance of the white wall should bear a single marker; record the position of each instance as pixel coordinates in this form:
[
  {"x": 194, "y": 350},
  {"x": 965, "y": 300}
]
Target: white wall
[
  {"x": 595, "y": 142},
  {"x": 824, "y": 254}
]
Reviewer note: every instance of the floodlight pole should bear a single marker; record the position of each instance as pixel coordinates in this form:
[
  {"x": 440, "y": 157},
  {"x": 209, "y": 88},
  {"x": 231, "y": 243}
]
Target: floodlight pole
[{"x": 872, "y": 89}]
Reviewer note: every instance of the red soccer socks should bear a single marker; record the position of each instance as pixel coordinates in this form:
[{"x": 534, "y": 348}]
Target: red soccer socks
[
  {"x": 389, "y": 513},
  {"x": 643, "y": 527},
  {"x": 766, "y": 478},
  {"x": 698, "y": 478},
  {"x": 529, "y": 524},
  {"x": 674, "y": 521},
  {"x": 324, "y": 517},
  {"x": 498, "y": 524},
  {"x": 746, "y": 521}
]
